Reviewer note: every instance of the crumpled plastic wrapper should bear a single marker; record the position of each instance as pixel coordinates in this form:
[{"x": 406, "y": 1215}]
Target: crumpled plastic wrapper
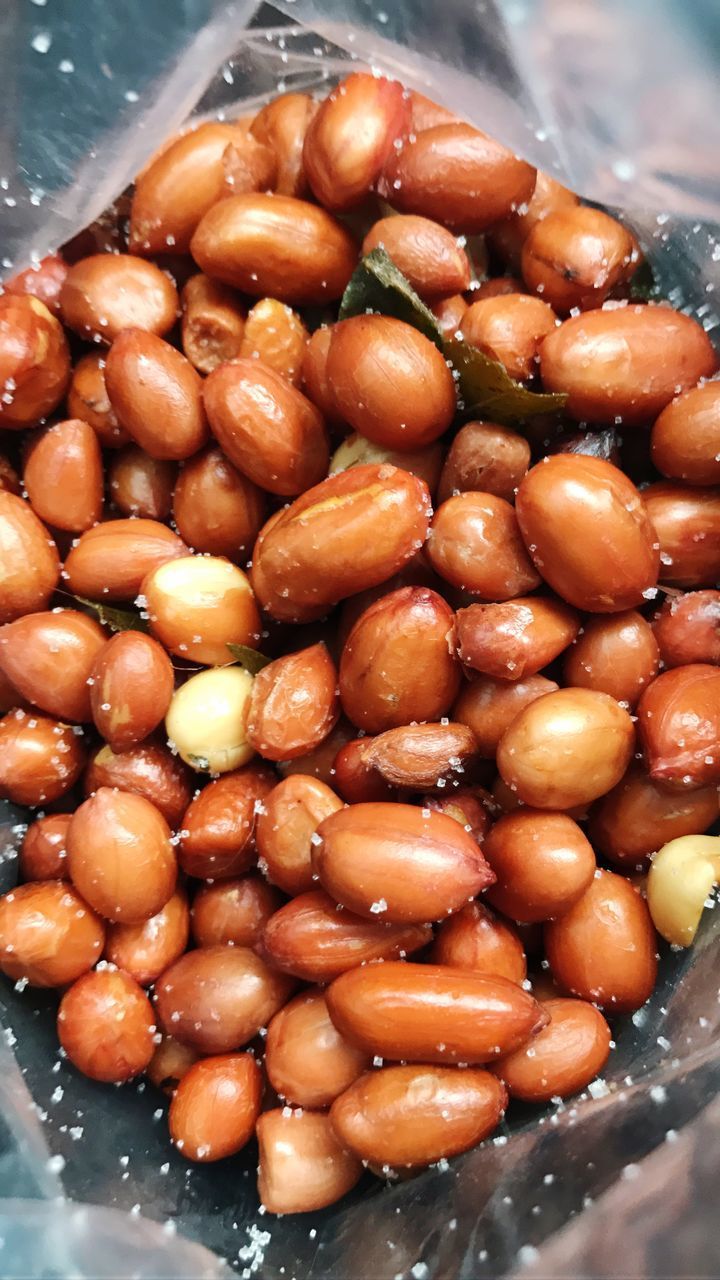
[{"x": 620, "y": 99}]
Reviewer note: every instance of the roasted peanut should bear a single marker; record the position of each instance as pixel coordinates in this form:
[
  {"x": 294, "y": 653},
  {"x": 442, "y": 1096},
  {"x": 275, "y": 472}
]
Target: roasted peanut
[
  {"x": 431, "y": 1013},
  {"x": 29, "y": 562},
  {"x": 449, "y": 313},
  {"x": 338, "y": 539},
  {"x": 308, "y": 1062},
  {"x": 63, "y": 476},
  {"x": 475, "y": 939},
  {"x": 233, "y": 912},
  {"x": 419, "y": 756},
  {"x": 314, "y": 375},
  {"x": 277, "y": 247},
  {"x": 294, "y": 704},
  {"x": 509, "y": 236},
  {"x": 215, "y": 1106},
  {"x": 312, "y": 938},
  {"x": 282, "y": 125},
  {"x": 687, "y": 524},
  {"x": 275, "y": 335},
  {"x": 687, "y": 629},
  {"x": 412, "y": 1116},
  {"x": 389, "y": 382},
  {"x": 147, "y": 949},
  {"x": 574, "y": 257},
  {"x": 398, "y": 863},
  {"x": 88, "y": 399},
  {"x": 425, "y": 113},
  {"x": 488, "y": 706},
  {"x": 603, "y": 948},
  {"x": 342, "y": 162},
  {"x": 286, "y": 826},
  {"x": 43, "y": 280},
  {"x": 149, "y": 770},
  {"x": 625, "y": 362},
  {"x": 396, "y": 665},
  {"x": 684, "y": 440},
  {"x": 34, "y": 362},
  {"x": 140, "y": 485},
  {"x": 40, "y": 759},
  {"x": 617, "y": 654},
  {"x": 178, "y": 186},
  {"x": 320, "y": 763},
  {"x": 248, "y": 165},
  {"x": 509, "y": 328},
  {"x": 302, "y": 1165},
  {"x": 120, "y": 857},
  {"x": 49, "y": 658},
  {"x": 682, "y": 876},
  {"x": 169, "y": 1063},
  {"x": 475, "y": 544},
  {"x": 156, "y": 395},
  {"x": 217, "y": 998},
  {"x": 218, "y": 827},
  {"x": 563, "y": 1058},
  {"x": 207, "y": 719},
  {"x": 43, "y": 853},
  {"x": 639, "y": 815},
  {"x": 485, "y": 458},
  {"x": 356, "y": 781},
  {"x": 110, "y": 560},
  {"x": 470, "y": 807},
  {"x": 458, "y": 176},
  {"x": 213, "y": 323},
  {"x": 48, "y": 935},
  {"x": 198, "y": 605},
  {"x": 588, "y": 532},
  {"x": 267, "y": 428},
  {"x": 105, "y": 1025},
  {"x": 428, "y": 255},
  {"x": 566, "y": 748},
  {"x": 542, "y": 862},
  {"x": 356, "y": 450},
  {"x": 679, "y": 726},
  {"x": 109, "y": 292},
  {"x": 216, "y": 508},
  {"x": 514, "y": 640}
]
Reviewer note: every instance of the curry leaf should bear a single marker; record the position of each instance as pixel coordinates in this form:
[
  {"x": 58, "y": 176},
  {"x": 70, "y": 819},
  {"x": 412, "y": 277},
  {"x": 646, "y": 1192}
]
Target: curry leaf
[
  {"x": 484, "y": 386},
  {"x": 115, "y": 619},
  {"x": 250, "y": 659},
  {"x": 488, "y": 391},
  {"x": 377, "y": 285},
  {"x": 643, "y": 286}
]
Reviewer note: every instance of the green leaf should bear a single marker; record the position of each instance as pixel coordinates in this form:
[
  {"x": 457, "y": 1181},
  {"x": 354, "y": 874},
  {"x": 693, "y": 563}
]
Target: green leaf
[
  {"x": 250, "y": 659},
  {"x": 643, "y": 286},
  {"x": 377, "y": 285},
  {"x": 485, "y": 387},
  {"x": 488, "y": 391},
  {"x": 115, "y": 619}
]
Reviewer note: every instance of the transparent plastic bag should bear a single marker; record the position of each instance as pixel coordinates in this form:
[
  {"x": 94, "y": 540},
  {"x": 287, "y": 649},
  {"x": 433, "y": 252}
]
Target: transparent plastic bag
[{"x": 620, "y": 99}]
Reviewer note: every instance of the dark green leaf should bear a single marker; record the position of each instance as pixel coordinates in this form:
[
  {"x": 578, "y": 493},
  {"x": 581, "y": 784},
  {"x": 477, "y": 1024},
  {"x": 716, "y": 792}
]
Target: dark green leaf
[
  {"x": 484, "y": 386},
  {"x": 644, "y": 286},
  {"x": 248, "y": 658},
  {"x": 488, "y": 391},
  {"x": 377, "y": 285},
  {"x": 115, "y": 619}
]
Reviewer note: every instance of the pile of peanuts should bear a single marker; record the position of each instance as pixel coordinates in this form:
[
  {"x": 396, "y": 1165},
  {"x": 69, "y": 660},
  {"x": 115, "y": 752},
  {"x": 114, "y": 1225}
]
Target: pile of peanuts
[{"x": 366, "y": 794}]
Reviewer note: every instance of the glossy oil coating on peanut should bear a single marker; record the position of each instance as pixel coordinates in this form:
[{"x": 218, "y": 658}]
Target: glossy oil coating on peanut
[
  {"x": 398, "y": 863},
  {"x": 410, "y": 1116},
  {"x": 396, "y": 665},
  {"x": 604, "y": 948},
  {"x": 432, "y": 1013},
  {"x": 330, "y": 668}
]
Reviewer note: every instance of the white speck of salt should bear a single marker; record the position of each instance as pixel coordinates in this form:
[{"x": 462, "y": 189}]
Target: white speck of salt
[{"x": 41, "y": 42}]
